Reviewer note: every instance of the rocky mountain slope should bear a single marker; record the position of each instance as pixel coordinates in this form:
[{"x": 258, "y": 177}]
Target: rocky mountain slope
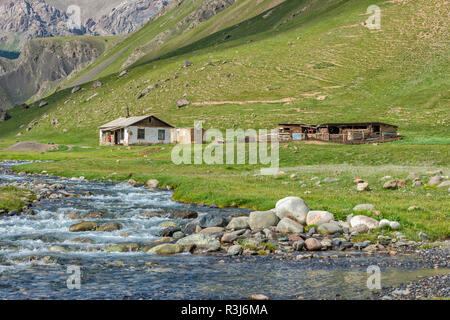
[{"x": 22, "y": 20}]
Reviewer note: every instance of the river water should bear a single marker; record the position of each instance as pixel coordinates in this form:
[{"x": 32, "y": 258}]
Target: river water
[{"x": 25, "y": 241}]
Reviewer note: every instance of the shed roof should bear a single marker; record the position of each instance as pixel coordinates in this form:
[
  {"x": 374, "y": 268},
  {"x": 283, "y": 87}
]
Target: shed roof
[
  {"x": 121, "y": 123},
  {"x": 336, "y": 124}
]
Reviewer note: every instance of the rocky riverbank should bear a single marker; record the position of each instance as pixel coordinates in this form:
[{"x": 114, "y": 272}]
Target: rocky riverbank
[
  {"x": 433, "y": 287},
  {"x": 291, "y": 230}
]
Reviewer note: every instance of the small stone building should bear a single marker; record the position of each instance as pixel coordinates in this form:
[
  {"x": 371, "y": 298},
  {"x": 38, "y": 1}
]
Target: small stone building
[{"x": 135, "y": 131}]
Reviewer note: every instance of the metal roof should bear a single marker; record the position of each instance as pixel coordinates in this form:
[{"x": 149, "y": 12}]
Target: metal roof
[{"x": 126, "y": 122}]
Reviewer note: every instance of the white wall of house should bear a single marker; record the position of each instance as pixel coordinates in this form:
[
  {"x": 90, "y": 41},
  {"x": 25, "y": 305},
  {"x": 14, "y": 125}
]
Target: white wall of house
[{"x": 151, "y": 136}]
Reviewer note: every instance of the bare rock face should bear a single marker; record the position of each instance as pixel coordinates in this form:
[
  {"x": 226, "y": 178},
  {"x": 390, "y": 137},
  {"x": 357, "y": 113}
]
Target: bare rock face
[
  {"x": 23, "y": 20},
  {"x": 125, "y": 18},
  {"x": 44, "y": 61}
]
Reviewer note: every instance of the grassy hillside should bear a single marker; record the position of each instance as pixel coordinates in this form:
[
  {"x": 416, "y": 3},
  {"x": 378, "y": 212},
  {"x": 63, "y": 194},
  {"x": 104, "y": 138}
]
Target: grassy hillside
[
  {"x": 316, "y": 52},
  {"x": 301, "y": 61}
]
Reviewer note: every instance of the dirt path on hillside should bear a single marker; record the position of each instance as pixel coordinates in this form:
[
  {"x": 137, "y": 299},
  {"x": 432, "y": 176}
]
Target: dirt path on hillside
[{"x": 214, "y": 103}]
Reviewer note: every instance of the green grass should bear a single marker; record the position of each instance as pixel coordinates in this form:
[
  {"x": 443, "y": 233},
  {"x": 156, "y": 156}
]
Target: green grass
[
  {"x": 238, "y": 186},
  {"x": 12, "y": 198}
]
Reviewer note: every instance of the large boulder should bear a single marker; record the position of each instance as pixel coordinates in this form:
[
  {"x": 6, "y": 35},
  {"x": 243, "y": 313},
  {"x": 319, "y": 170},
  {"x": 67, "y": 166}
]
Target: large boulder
[
  {"x": 287, "y": 225},
  {"x": 167, "y": 248},
  {"x": 84, "y": 226},
  {"x": 329, "y": 228},
  {"x": 201, "y": 241},
  {"x": 293, "y": 207},
  {"x": 210, "y": 220},
  {"x": 259, "y": 220},
  {"x": 364, "y": 220},
  {"x": 238, "y": 223},
  {"x": 313, "y": 244},
  {"x": 318, "y": 217}
]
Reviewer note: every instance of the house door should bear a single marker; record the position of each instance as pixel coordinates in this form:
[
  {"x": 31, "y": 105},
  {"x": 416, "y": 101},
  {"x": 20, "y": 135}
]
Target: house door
[{"x": 116, "y": 137}]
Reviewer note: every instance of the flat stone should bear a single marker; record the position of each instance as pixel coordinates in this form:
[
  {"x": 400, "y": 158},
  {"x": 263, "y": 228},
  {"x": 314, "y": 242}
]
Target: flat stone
[
  {"x": 166, "y": 249},
  {"x": 238, "y": 223},
  {"x": 364, "y": 220},
  {"x": 259, "y": 220},
  {"x": 200, "y": 241},
  {"x": 287, "y": 225},
  {"x": 318, "y": 217},
  {"x": 329, "y": 228}
]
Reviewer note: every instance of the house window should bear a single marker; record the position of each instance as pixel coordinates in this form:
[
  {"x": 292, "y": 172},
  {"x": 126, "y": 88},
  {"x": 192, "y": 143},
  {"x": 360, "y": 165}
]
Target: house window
[
  {"x": 141, "y": 134},
  {"x": 161, "y": 135}
]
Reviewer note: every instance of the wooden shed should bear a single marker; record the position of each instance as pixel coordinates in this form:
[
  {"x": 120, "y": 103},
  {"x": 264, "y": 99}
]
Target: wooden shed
[
  {"x": 132, "y": 131},
  {"x": 349, "y": 133}
]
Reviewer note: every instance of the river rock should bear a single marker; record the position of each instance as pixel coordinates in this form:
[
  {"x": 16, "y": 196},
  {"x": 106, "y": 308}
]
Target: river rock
[
  {"x": 201, "y": 241},
  {"x": 262, "y": 219},
  {"x": 166, "y": 249},
  {"x": 259, "y": 297},
  {"x": 235, "y": 250},
  {"x": 152, "y": 184},
  {"x": 211, "y": 220},
  {"x": 109, "y": 227},
  {"x": 329, "y": 228},
  {"x": 313, "y": 244},
  {"x": 287, "y": 225},
  {"x": 229, "y": 237},
  {"x": 238, "y": 223},
  {"x": 212, "y": 230},
  {"x": 169, "y": 232},
  {"x": 292, "y": 207},
  {"x": 57, "y": 249},
  {"x": 364, "y": 207},
  {"x": 124, "y": 247},
  {"x": 83, "y": 226},
  {"x": 298, "y": 245},
  {"x": 318, "y": 217},
  {"x": 364, "y": 220},
  {"x": 167, "y": 224}
]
